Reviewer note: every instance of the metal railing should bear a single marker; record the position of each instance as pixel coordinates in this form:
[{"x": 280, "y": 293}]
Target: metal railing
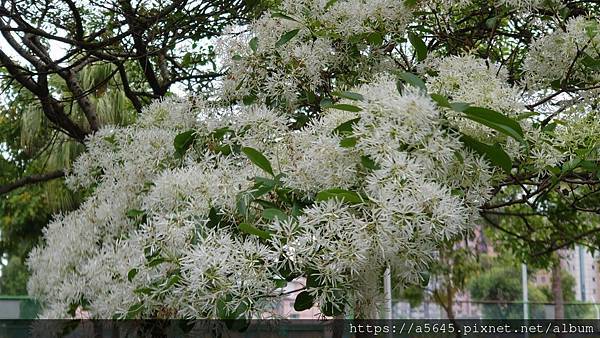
[
  {"x": 496, "y": 310},
  {"x": 18, "y": 307}
]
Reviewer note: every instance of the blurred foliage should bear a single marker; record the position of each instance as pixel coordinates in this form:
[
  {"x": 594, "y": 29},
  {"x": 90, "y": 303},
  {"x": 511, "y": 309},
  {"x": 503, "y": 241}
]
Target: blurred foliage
[
  {"x": 499, "y": 283},
  {"x": 448, "y": 275},
  {"x": 14, "y": 278}
]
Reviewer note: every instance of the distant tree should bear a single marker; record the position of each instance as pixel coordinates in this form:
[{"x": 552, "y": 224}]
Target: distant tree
[
  {"x": 498, "y": 287},
  {"x": 14, "y": 278}
]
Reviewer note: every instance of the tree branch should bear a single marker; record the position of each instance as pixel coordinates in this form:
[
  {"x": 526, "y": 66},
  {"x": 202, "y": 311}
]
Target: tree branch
[{"x": 33, "y": 179}]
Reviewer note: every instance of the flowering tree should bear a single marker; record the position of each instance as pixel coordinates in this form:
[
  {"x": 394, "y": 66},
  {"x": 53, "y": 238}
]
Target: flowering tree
[{"x": 348, "y": 137}]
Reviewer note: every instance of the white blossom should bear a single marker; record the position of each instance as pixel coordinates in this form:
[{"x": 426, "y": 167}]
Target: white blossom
[{"x": 212, "y": 230}]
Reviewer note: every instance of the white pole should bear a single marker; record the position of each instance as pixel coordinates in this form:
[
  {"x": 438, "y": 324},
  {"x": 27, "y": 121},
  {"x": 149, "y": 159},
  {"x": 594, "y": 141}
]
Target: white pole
[
  {"x": 582, "y": 273},
  {"x": 525, "y": 292},
  {"x": 387, "y": 293}
]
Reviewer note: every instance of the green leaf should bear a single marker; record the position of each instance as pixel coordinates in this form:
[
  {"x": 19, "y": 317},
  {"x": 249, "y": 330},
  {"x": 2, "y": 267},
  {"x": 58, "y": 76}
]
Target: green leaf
[
  {"x": 258, "y": 159},
  {"x": 283, "y": 16},
  {"x": 172, "y": 281},
  {"x": 112, "y": 139},
  {"x": 304, "y": 301},
  {"x": 286, "y": 37},
  {"x": 554, "y": 170},
  {"x": 571, "y": 165},
  {"x": 272, "y": 213},
  {"x": 525, "y": 115},
  {"x": 326, "y": 103},
  {"x": 131, "y": 274},
  {"x": 418, "y": 45},
  {"x": 218, "y": 134},
  {"x": 590, "y": 62},
  {"x": 248, "y": 99},
  {"x": 329, "y": 4},
  {"x": 550, "y": 127},
  {"x": 187, "y": 60},
  {"x": 143, "y": 290},
  {"x": 349, "y": 95},
  {"x": 253, "y": 44},
  {"x": 265, "y": 204},
  {"x": 340, "y": 194},
  {"x": 312, "y": 280},
  {"x": 281, "y": 283},
  {"x": 588, "y": 165},
  {"x": 240, "y": 309},
  {"x": 346, "y": 107},
  {"x": 265, "y": 181},
  {"x": 287, "y": 273},
  {"x": 346, "y": 127},
  {"x": 222, "y": 311},
  {"x": 556, "y": 84},
  {"x": 491, "y": 22},
  {"x": 348, "y": 142},
  {"x": 425, "y": 277},
  {"x": 441, "y": 100},
  {"x": 296, "y": 210},
  {"x": 413, "y": 80},
  {"x": 591, "y": 29},
  {"x": 252, "y": 230},
  {"x": 243, "y": 201},
  {"x": 495, "y": 120},
  {"x": 214, "y": 219},
  {"x": 493, "y": 153},
  {"x": 134, "y": 213},
  {"x": 584, "y": 152},
  {"x": 234, "y": 318},
  {"x": 375, "y": 39},
  {"x": 368, "y": 163},
  {"x": 459, "y": 106},
  {"x": 134, "y": 310},
  {"x": 459, "y": 157},
  {"x": 263, "y": 189},
  {"x": 183, "y": 141},
  {"x": 156, "y": 261}
]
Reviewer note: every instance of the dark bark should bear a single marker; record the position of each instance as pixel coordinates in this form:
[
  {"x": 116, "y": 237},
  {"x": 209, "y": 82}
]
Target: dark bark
[
  {"x": 30, "y": 180},
  {"x": 557, "y": 291},
  {"x": 149, "y": 39}
]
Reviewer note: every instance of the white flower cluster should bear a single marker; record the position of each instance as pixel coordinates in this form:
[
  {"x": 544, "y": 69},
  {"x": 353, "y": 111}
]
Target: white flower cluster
[
  {"x": 197, "y": 211},
  {"x": 561, "y": 59},
  {"x": 315, "y": 40},
  {"x": 191, "y": 237},
  {"x": 524, "y": 5},
  {"x": 560, "y": 53},
  {"x": 469, "y": 79}
]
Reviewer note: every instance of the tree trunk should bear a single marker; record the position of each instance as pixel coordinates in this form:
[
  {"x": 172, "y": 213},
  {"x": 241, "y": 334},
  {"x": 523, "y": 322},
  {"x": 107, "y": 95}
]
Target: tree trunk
[
  {"x": 338, "y": 326},
  {"x": 450, "y": 303},
  {"x": 449, "y": 307},
  {"x": 557, "y": 292}
]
